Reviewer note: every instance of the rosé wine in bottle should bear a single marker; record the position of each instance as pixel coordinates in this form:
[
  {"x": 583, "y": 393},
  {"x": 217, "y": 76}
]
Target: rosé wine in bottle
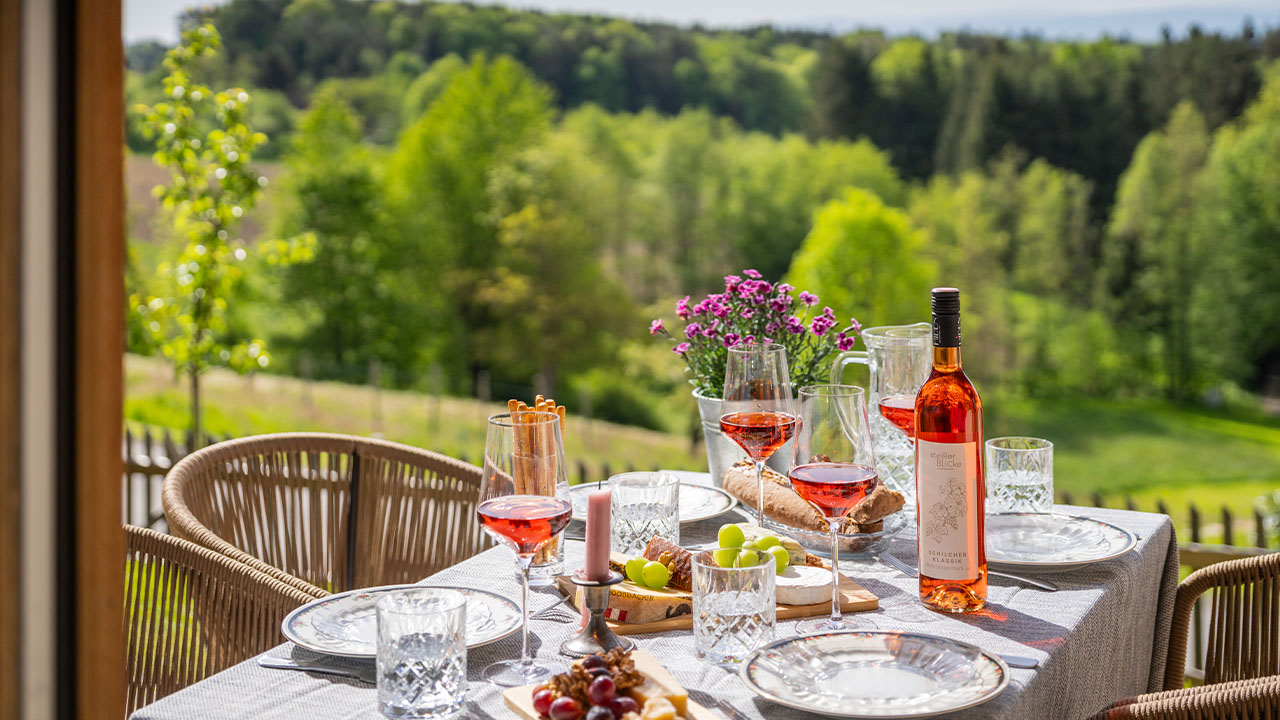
[{"x": 950, "y": 487}]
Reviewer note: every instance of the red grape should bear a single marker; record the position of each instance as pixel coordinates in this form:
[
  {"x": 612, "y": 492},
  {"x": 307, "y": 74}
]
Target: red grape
[
  {"x": 601, "y": 690},
  {"x": 565, "y": 708},
  {"x": 600, "y": 712},
  {"x": 592, "y": 661},
  {"x": 542, "y": 701},
  {"x": 624, "y": 704}
]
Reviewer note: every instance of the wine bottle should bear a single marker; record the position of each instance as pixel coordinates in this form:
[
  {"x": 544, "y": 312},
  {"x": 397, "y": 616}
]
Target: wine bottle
[{"x": 950, "y": 485}]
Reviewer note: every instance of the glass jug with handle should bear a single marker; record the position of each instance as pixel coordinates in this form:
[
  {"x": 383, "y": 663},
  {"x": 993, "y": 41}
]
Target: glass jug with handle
[{"x": 898, "y": 358}]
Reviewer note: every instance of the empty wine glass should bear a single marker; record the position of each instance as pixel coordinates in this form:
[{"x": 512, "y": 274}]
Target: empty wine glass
[
  {"x": 758, "y": 410},
  {"x": 834, "y": 470},
  {"x": 524, "y": 504}
]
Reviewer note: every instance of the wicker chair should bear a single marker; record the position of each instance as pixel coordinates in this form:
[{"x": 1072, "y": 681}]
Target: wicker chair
[
  {"x": 1254, "y": 699},
  {"x": 191, "y": 612},
  {"x": 1244, "y": 630},
  {"x": 325, "y": 513},
  {"x": 1243, "y": 660}
]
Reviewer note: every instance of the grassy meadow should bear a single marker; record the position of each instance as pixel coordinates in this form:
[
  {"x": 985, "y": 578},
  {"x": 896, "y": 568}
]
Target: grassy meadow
[{"x": 1146, "y": 450}]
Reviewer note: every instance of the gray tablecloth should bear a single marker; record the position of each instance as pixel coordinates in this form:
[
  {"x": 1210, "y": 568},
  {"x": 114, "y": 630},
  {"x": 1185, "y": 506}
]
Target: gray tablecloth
[{"x": 1103, "y": 636}]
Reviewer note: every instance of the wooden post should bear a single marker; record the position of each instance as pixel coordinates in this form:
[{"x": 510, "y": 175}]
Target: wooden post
[
  {"x": 1228, "y": 536},
  {"x": 1195, "y": 523},
  {"x": 99, "y": 354},
  {"x": 1129, "y": 504},
  {"x": 1161, "y": 507},
  {"x": 1259, "y": 529},
  {"x": 375, "y": 384},
  {"x": 435, "y": 386},
  {"x": 1066, "y": 498},
  {"x": 1097, "y": 500}
]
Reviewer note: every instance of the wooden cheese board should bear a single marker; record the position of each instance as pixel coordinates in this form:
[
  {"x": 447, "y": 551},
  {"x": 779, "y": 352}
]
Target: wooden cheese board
[
  {"x": 520, "y": 699},
  {"x": 677, "y": 605}
]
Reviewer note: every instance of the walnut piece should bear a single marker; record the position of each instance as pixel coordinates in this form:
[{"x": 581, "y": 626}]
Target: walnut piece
[{"x": 574, "y": 683}]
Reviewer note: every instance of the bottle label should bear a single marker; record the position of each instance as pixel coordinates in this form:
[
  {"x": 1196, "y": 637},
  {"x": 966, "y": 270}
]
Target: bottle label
[{"x": 947, "y": 493}]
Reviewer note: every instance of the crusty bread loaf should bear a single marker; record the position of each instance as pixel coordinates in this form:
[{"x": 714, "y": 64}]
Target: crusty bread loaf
[{"x": 782, "y": 504}]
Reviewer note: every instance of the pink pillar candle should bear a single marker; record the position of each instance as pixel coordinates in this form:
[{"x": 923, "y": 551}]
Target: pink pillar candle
[{"x": 597, "y": 535}]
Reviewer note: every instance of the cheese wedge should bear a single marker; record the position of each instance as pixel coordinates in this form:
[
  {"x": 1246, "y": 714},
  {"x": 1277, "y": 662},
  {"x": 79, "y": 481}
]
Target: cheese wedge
[
  {"x": 803, "y": 585},
  {"x": 794, "y": 548},
  {"x": 658, "y": 683}
]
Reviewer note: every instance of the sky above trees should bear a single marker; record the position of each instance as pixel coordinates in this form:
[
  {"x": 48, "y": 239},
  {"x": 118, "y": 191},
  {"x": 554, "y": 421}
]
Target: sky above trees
[{"x": 1138, "y": 19}]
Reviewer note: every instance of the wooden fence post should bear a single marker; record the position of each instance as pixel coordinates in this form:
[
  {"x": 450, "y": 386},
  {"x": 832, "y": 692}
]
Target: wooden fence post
[
  {"x": 1228, "y": 536},
  {"x": 1259, "y": 529},
  {"x": 1195, "y": 523},
  {"x": 1097, "y": 500}
]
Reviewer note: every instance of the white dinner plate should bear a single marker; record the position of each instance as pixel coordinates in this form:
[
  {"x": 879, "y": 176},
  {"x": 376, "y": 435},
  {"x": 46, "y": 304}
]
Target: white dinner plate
[
  {"x": 1050, "y": 542},
  {"x": 346, "y": 624},
  {"x": 874, "y": 674},
  {"x": 697, "y": 502}
]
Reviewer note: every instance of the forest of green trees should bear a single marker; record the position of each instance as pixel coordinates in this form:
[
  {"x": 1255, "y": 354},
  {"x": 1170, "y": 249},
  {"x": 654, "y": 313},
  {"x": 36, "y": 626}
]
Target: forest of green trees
[{"x": 516, "y": 193}]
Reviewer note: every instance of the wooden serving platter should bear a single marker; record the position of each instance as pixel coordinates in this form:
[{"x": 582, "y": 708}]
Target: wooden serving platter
[
  {"x": 679, "y": 606},
  {"x": 520, "y": 699}
]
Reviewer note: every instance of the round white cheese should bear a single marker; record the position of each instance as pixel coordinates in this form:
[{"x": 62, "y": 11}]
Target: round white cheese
[{"x": 803, "y": 585}]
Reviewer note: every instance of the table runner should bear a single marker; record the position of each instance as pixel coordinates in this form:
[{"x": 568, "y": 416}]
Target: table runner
[{"x": 1101, "y": 637}]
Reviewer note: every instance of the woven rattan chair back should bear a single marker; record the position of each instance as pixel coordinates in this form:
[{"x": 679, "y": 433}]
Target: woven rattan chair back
[
  {"x": 1255, "y": 699},
  {"x": 326, "y": 513},
  {"x": 1244, "y": 624},
  {"x": 190, "y": 612}
]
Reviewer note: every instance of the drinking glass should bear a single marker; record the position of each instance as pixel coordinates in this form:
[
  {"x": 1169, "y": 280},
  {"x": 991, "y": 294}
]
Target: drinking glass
[
  {"x": 1019, "y": 475},
  {"x": 734, "y": 609},
  {"x": 758, "y": 411},
  {"x": 422, "y": 653},
  {"x": 834, "y": 470},
  {"x": 524, "y": 504},
  {"x": 643, "y": 504}
]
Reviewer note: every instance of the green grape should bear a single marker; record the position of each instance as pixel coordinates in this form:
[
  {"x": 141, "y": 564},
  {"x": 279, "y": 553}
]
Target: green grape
[
  {"x": 782, "y": 557},
  {"x": 731, "y": 536},
  {"x": 656, "y": 575},
  {"x": 748, "y": 558},
  {"x": 724, "y": 557},
  {"x": 768, "y": 541},
  {"x": 635, "y": 570}
]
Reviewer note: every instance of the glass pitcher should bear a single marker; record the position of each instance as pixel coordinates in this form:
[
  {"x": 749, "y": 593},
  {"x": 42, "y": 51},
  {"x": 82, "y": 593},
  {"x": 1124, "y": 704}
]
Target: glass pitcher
[{"x": 899, "y": 358}]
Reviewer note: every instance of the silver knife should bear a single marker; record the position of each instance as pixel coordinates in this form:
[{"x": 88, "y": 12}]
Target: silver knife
[
  {"x": 909, "y": 571},
  {"x": 363, "y": 674}
]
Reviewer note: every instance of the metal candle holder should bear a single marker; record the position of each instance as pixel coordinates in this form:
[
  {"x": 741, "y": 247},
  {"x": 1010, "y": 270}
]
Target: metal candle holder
[{"x": 596, "y": 637}]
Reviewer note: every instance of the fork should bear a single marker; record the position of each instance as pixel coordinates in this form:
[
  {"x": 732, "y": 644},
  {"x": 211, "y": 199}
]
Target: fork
[{"x": 893, "y": 561}]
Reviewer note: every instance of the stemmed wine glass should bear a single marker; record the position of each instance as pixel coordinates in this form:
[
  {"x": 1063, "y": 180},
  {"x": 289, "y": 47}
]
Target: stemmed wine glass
[
  {"x": 524, "y": 504},
  {"x": 905, "y": 362},
  {"x": 834, "y": 470},
  {"x": 758, "y": 411}
]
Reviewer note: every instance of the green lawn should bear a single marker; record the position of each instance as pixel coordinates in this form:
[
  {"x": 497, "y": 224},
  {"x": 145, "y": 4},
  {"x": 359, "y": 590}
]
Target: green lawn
[
  {"x": 1151, "y": 450},
  {"x": 1144, "y": 449},
  {"x": 236, "y": 405}
]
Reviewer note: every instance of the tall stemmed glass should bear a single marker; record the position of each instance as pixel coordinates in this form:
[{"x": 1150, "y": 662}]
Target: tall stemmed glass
[
  {"x": 834, "y": 470},
  {"x": 524, "y": 504},
  {"x": 758, "y": 411}
]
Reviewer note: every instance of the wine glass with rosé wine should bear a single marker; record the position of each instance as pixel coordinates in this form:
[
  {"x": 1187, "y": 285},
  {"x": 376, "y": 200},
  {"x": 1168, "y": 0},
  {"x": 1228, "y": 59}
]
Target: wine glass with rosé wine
[
  {"x": 834, "y": 470},
  {"x": 758, "y": 410},
  {"x": 524, "y": 504}
]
